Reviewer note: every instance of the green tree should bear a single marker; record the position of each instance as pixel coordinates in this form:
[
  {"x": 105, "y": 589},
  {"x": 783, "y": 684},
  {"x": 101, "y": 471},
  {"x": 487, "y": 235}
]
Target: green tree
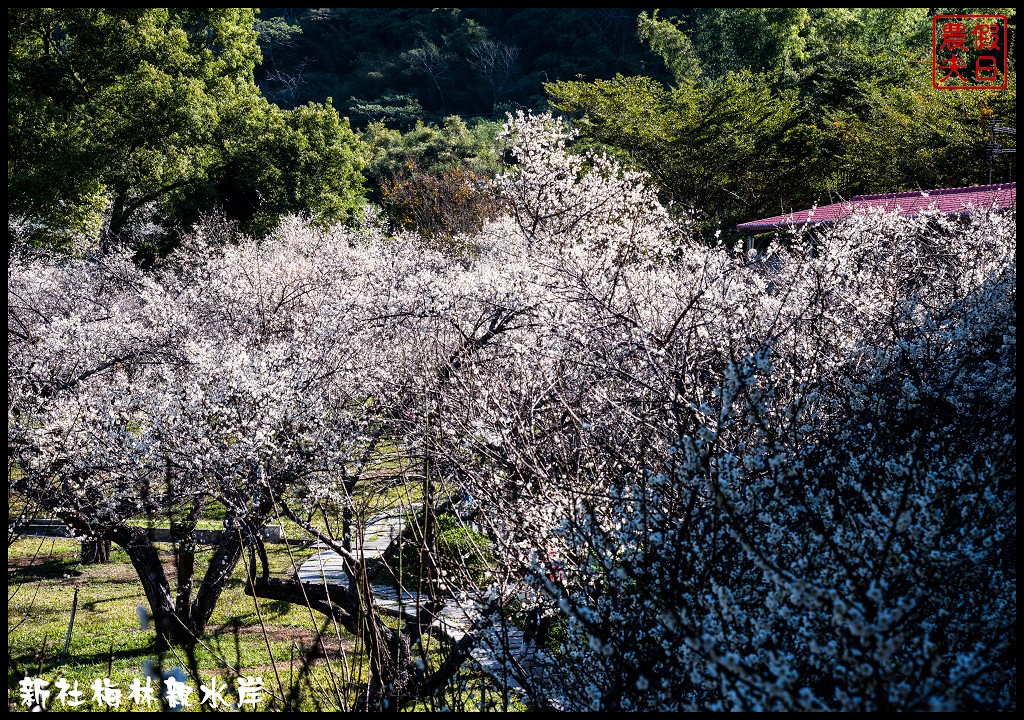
[
  {"x": 394, "y": 111},
  {"x": 282, "y": 68},
  {"x": 281, "y": 161},
  {"x": 775, "y": 109},
  {"x": 768, "y": 40},
  {"x": 115, "y": 107},
  {"x": 496, "y": 58},
  {"x": 672, "y": 45},
  {"x": 122, "y": 117},
  {"x": 434, "y": 179},
  {"x": 722, "y": 149},
  {"x": 452, "y": 143},
  {"x": 912, "y": 136}
]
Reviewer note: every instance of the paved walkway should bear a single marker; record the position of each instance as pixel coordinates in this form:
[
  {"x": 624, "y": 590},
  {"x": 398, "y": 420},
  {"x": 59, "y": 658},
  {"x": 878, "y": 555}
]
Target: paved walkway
[{"x": 452, "y": 621}]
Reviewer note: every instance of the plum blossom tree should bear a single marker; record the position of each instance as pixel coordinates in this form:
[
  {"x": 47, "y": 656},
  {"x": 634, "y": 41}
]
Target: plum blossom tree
[
  {"x": 257, "y": 375},
  {"x": 780, "y": 482},
  {"x": 146, "y": 396},
  {"x": 777, "y": 481}
]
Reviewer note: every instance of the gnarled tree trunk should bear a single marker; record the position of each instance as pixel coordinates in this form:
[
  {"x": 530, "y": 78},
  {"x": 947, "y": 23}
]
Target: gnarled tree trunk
[
  {"x": 95, "y": 551},
  {"x": 179, "y": 619}
]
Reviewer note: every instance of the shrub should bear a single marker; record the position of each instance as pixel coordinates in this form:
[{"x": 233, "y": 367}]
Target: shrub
[{"x": 442, "y": 204}]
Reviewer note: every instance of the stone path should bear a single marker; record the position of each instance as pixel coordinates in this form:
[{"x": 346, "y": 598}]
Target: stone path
[{"x": 452, "y": 621}]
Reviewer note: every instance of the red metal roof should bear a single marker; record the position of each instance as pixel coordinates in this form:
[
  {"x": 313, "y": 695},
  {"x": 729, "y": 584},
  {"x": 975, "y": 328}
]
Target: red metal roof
[{"x": 949, "y": 201}]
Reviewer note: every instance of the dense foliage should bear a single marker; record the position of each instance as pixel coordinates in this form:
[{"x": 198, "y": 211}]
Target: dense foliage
[
  {"x": 434, "y": 179},
  {"x": 440, "y": 61},
  {"x": 129, "y": 124},
  {"x": 777, "y": 109},
  {"x": 782, "y": 481}
]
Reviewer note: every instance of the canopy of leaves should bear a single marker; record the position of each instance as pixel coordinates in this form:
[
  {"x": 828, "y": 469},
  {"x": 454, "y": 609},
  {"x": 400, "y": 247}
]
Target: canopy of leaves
[
  {"x": 118, "y": 118},
  {"x": 722, "y": 148},
  {"x": 773, "y": 109},
  {"x": 451, "y": 143},
  {"x": 465, "y": 61}
]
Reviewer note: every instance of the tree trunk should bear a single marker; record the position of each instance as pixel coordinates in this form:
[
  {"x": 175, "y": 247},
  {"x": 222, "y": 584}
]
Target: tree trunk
[
  {"x": 146, "y": 561},
  {"x": 218, "y": 574},
  {"x": 95, "y": 552},
  {"x": 394, "y": 678}
]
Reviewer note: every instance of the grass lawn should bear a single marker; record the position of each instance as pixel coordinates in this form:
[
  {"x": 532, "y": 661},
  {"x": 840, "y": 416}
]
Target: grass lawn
[{"x": 245, "y": 637}]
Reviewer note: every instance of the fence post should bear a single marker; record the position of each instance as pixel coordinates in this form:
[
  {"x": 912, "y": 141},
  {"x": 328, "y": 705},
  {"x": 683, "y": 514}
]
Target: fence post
[{"x": 71, "y": 625}]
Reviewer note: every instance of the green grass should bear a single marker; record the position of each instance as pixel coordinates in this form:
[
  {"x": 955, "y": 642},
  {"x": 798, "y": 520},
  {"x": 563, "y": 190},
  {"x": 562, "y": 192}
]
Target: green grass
[
  {"x": 241, "y": 639},
  {"x": 244, "y": 637},
  {"x": 472, "y": 691},
  {"x": 166, "y": 524},
  {"x": 107, "y": 641},
  {"x": 462, "y": 552}
]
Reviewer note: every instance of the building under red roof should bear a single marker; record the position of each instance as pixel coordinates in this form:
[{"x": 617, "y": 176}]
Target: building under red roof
[{"x": 949, "y": 201}]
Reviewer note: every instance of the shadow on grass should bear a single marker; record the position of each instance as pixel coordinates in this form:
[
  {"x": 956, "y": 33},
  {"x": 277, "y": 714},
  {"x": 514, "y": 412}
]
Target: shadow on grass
[
  {"x": 104, "y": 656},
  {"x": 32, "y": 662},
  {"x": 278, "y": 607},
  {"x": 91, "y": 605},
  {"x": 48, "y": 570}
]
